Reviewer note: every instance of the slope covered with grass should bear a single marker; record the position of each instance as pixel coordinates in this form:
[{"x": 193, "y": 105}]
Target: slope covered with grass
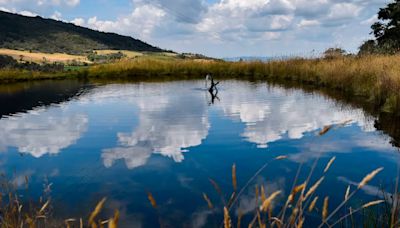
[{"x": 51, "y": 36}]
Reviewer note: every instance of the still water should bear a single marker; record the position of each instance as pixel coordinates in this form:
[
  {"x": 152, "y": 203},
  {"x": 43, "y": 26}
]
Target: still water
[{"x": 120, "y": 141}]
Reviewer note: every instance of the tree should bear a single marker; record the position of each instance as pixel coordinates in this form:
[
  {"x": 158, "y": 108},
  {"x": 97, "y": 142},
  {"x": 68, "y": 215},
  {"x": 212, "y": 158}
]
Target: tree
[
  {"x": 368, "y": 47},
  {"x": 332, "y": 53},
  {"x": 386, "y": 31}
]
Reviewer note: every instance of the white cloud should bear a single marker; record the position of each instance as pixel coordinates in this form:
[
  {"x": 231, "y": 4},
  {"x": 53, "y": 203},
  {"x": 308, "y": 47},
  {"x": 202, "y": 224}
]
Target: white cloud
[
  {"x": 227, "y": 27},
  {"x": 78, "y": 21},
  {"x": 308, "y": 23},
  {"x": 56, "y": 16},
  {"x": 40, "y": 3},
  {"x": 140, "y": 23},
  {"x": 344, "y": 11},
  {"x": 168, "y": 124},
  {"x": 5, "y": 9},
  {"x": 41, "y": 132},
  {"x": 284, "y": 114},
  {"x": 72, "y": 2},
  {"x": 370, "y": 20},
  {"x": 27, "y": 13}
]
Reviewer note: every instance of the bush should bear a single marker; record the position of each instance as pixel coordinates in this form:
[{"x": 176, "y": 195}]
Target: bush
[
  {"x": 333, "y": 53},
  {"x": 7, "y": 61}
]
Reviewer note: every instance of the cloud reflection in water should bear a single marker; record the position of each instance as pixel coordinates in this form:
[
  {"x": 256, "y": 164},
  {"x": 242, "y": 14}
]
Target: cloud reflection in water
[
  {"x": 169, "y": 123},
  {"x": 42, "y": 131},
  {"x": 272, "y": 113},
  {"x": 173, "y": 117}
]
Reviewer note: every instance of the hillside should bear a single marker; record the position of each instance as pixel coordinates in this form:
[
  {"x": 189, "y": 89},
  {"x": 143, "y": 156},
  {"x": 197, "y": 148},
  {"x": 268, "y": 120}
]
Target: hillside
[{"x": 51, "y": 36}]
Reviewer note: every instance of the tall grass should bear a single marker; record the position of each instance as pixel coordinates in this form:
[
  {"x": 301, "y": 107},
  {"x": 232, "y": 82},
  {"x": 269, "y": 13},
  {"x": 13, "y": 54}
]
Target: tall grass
[
  {"x": 17, "y": 212},
  {"x": 302, "y": 207},
  {"x": 375, "y": 78},
  {"x": 303, "y": 204}
]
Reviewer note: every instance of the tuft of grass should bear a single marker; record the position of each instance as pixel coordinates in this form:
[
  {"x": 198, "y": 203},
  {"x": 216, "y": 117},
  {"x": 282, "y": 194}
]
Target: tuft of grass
[{"x": 16, "y": 212}]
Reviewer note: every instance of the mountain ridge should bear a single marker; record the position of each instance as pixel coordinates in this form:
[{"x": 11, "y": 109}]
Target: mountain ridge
[{"x": 46, "y": 35}]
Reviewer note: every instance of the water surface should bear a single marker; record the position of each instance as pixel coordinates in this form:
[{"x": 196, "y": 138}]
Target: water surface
[{"x": 124, "y": 140}]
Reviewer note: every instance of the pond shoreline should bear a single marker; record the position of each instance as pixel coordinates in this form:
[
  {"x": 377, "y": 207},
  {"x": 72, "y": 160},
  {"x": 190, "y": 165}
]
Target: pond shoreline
[
  {"x": 303, "y": 118},
  {"x": 373, "y": 79}
]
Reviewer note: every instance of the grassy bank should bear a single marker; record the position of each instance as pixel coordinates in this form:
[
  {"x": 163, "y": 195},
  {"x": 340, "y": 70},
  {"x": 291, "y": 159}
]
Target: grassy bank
[{"x": 374, "y": 78}]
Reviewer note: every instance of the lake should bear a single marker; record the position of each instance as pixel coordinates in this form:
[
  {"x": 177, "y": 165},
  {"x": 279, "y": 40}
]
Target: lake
[{"x": 85, "y": 141}]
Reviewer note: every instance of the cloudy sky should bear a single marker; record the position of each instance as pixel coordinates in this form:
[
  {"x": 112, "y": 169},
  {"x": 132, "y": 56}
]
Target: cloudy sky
[{"x": 220, "y": 28}]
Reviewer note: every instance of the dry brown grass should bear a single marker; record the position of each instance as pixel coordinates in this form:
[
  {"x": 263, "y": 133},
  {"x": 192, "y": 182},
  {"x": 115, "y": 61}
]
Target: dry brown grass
[
  {"x": 269, "y": 209},
  {"x": 297, "y": 203},
  {"x": 16, "y": 212},
  {"x": 128, "y": 54},
  {"x": 376, "y": 78},
  {"x": 301, "y": 204},
  {"x": 38, "y": 57}
]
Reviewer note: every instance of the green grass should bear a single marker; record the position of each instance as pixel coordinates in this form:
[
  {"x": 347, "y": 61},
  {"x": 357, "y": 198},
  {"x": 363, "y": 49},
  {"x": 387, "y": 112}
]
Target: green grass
[{"x": 75, "y": 68}]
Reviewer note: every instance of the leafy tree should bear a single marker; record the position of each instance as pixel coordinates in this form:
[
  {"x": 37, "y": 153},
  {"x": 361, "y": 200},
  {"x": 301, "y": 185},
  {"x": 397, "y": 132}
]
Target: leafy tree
[
  {"x": 332, "y": 53},
  {"x": 386, "y": 31},
  {"x": 368, "y": 47}
]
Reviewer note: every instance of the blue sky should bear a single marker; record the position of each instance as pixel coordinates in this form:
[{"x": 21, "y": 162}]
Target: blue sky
[{"x": 220, "y": 28}]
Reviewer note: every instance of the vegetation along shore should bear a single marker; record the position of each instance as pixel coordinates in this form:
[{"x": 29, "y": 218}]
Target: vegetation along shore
[
  {"x": 372, "y": 74},
  {"x": 373, "y": 77}
]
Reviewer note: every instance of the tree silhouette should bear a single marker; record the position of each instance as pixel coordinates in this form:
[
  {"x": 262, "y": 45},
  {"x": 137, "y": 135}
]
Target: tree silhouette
[{"x": 386, "y": 31}]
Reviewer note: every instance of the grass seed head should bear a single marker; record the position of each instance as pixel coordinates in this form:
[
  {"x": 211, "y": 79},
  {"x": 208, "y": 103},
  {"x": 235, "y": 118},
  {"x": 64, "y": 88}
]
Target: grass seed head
[{"x": 369, "y": 177}]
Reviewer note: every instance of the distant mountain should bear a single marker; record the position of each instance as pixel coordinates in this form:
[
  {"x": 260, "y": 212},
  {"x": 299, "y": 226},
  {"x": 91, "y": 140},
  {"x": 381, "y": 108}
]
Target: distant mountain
[{"x": 51, "y": 36}]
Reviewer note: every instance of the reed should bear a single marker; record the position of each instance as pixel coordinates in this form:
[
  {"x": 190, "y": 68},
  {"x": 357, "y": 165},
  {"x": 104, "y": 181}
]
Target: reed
[
  {"x": 375, "y": 78},
  {"x": 301, "y": 204},
  {"x": 16, "y": 213},
  {"x": 264, "y": 217}
]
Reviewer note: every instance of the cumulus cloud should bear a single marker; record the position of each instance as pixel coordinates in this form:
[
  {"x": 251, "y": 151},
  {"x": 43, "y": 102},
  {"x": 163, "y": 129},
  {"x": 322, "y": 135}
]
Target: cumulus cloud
[
  {"x": 247, "y": 23},
  {"x": 27, "y": 13},
  {"x": 230, "y": 27},
  {"x": 185, "y": 11},
  {"x": 168, "y": 124},
  {"x": 56, "y": 16},
  {"x": 39, "y": 3},
  {"x": 41, "y": 132},
  {"x": 78, "y": 21},
  {"x": 283, "y": 115},
  {"x": 140, "y": 22}
]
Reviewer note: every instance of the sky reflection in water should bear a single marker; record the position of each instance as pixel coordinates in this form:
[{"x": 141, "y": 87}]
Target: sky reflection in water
[{"x": 121, "y": 140}]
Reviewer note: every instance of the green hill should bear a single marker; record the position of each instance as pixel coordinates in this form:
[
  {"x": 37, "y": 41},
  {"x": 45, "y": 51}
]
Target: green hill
[{"x": 51, "y": 36}]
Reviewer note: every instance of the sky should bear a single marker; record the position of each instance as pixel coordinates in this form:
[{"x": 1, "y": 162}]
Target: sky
[{"x": 221, "y": 28}]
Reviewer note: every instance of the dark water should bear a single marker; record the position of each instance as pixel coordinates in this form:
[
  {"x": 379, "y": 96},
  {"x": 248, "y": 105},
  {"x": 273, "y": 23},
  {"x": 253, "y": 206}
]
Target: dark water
[{"x": 124, "y": 140}]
